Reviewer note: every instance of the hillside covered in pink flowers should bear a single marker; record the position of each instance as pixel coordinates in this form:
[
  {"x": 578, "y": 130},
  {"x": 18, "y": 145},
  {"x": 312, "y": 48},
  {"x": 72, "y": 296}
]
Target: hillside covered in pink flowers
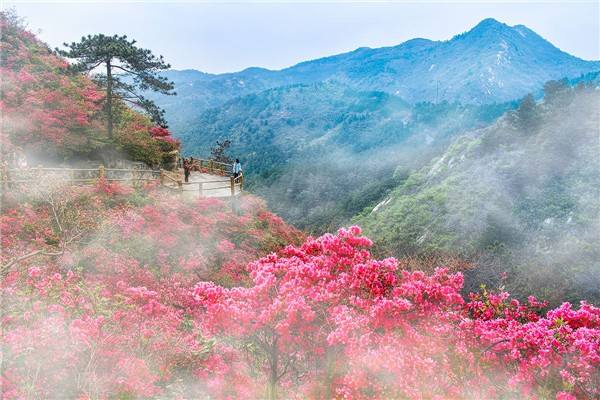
[
  {"x": 119, "y": 292},
  {"x": 55, "y": 115},
  {"x": 136, "y": 294}
]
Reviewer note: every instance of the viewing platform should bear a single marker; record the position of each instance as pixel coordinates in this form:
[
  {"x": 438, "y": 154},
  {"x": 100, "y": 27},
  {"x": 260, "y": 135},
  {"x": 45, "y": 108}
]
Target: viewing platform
[{"x": 207, "y": 179}]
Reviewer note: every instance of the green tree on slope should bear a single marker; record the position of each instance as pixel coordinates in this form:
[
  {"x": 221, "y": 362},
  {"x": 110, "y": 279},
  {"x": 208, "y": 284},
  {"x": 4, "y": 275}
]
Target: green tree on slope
[{"x": 127, "y": 72}]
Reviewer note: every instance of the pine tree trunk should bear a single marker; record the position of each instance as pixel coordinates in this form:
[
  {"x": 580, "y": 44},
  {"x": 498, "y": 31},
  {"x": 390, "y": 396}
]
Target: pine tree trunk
[{"x": 109, "y": 99}]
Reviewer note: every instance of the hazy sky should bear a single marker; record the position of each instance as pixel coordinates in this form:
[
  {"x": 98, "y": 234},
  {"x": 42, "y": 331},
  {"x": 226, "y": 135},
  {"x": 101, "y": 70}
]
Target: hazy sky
[{"x": 228, "y": 36}]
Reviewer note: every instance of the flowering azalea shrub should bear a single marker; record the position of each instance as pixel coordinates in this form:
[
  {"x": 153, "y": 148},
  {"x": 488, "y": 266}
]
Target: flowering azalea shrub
[
  {"x": 101, "y": 305},
  {"x": 140, "y": 294},
  {"x": 326, "y": 320},
  {"x": 50, "y": 111},
  {"x": 535, "y": 355},
  {"x": 42, "y": 104},
  {"x": 137, "y": 136}
]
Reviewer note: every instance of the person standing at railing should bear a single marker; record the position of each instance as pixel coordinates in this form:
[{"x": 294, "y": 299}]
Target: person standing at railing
[
  {"x": 237, "y": 168},
  {"x": 186, "y": 170}
]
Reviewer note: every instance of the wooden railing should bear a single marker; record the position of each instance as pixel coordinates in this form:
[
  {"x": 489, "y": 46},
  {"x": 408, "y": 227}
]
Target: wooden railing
[
  {"x": 211, "y": 167},
  {"x": 168, "y": 176},
  {"x": 172, "y": 180},
  {"x": 207, "y": 188},
  {"x": 77, "y": 175}
]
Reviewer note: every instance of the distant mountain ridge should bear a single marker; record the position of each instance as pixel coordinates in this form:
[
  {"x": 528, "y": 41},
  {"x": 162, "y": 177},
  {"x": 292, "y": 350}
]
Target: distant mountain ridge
[
  {"x": 492, "y": 62},
  {"x": 396, "y": 105}
]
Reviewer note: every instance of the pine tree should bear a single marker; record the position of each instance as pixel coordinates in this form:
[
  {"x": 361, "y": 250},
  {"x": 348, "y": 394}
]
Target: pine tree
[
  {"x": 527, "y": 113},
  {"x": 218, "y": 153},
  {"x": 127, "y": 71}
]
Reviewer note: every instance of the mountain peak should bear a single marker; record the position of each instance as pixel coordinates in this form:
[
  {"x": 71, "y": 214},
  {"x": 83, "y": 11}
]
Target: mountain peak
[
  {"x": 486, "y": 28},
  {"x": 491, "y": 62},
  {"x": 489, "y": 25}
]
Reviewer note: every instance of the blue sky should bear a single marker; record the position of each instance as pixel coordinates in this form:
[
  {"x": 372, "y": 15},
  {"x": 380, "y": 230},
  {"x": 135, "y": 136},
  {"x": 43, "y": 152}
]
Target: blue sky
[{"x": 230, "y": 36}]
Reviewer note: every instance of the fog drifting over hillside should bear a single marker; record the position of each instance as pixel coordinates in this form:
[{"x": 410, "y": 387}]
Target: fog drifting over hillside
[{"x": 520, "y": 196}]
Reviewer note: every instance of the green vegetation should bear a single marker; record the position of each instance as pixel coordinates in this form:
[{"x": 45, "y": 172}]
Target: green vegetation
[
  {"x": 119, "y": 58},
  {"x": 321, "y": 153},
  {"x": 492, "y": 62},
  {"x": 520, "y": 196}
]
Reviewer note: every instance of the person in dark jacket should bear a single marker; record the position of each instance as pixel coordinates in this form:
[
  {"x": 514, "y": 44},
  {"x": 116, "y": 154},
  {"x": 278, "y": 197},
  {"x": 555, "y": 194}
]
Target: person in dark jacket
[{"x": 186, "y": 170}]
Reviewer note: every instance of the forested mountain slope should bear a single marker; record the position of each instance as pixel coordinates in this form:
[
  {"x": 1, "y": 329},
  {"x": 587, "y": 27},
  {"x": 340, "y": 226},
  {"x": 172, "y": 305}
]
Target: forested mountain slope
[
  {"x": 321, "y": 140},
  {"x": 522, "y": 196},
  {"x": 309, "y": 148}
]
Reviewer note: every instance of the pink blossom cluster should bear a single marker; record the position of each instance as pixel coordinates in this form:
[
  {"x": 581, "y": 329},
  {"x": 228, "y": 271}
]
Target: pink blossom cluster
[
  {"x": 326, "y": 320},
  {"x": 160, "y": 298},
  {"x": 42, "y": 105},
  {"x": 115, "y": 315},
  {"x": 159, "y": 131}
]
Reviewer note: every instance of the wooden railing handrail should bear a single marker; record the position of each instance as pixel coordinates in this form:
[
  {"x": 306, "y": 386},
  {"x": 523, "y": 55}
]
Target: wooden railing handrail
[
  {"x": 136, "y": 175},
  {"x": 213, "y": 161},
  {"x": 169, "y": 175},
  {"x": 195, "y": 183},
  {"x": 79, "y": 169},
  {"x": 211, "y": 166}
]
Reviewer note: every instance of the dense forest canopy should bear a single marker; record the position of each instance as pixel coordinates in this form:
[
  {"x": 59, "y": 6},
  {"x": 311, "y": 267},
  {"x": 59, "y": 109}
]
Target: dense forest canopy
[{"x": 310, "y": 149}]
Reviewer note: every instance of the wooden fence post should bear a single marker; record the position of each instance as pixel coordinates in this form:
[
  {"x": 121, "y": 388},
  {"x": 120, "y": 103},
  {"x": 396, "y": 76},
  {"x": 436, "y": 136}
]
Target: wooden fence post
[
  {"x": 162, "y": 177},
  {"x": 241, "y": 183},
  {"x": 232, "y": 184},
  {"x": 101, "y": 172},
  {"x": 210, "y": 166}
]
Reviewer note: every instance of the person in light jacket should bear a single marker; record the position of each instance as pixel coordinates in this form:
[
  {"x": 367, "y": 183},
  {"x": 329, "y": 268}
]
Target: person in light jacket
[{"x": 237, "y": 168}]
